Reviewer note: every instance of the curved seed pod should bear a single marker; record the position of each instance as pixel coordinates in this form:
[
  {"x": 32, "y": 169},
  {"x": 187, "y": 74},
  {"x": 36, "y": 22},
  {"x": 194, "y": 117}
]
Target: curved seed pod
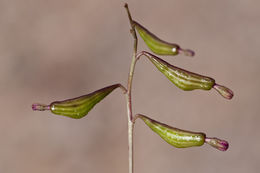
[
  {"x": 77, "y": 107},
  {"x": 182, "y": 138},
  {"x": 175, "y": 137},
  {"x": 159, "y": 46},
  {"x": 183, "y": 79}
]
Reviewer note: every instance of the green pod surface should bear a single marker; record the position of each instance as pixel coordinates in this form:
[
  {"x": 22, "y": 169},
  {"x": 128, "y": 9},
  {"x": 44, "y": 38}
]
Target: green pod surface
[
  {"x": 157, "y": 45},
  {"x": 175, "y": 137},
  {"x": 183, "y": 79},
  {"x": 80, "y": 106}
]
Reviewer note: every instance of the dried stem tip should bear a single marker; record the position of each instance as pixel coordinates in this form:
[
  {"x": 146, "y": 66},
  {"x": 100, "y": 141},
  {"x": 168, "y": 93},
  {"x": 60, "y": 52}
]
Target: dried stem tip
[
  {"x": 186, "y": 52},
  {"x": 219, "y": 144},
  {"x": 40, "y": 107},
  {"x": 224, "y": 91}
]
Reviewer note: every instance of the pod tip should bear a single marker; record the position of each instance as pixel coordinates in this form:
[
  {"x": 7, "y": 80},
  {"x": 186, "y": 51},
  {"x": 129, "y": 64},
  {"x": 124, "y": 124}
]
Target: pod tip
[
  {"x": 224, "y": 91},
  {"x": 40, "y": 107},
  {"x": 219, "y": 144},
  {"x": 187, "y": 52}
]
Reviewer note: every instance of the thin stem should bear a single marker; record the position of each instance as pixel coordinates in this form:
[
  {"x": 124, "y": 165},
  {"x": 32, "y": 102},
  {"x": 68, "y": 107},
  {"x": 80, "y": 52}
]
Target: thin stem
[{"x": 128, "y": 95}]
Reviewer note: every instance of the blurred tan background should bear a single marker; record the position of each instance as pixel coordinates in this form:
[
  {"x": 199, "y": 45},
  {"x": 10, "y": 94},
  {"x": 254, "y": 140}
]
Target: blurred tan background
[{"x": 53, "y": 50}]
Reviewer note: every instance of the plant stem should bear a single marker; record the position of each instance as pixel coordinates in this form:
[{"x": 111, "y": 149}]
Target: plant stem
[{"x": 128, "y": 95}]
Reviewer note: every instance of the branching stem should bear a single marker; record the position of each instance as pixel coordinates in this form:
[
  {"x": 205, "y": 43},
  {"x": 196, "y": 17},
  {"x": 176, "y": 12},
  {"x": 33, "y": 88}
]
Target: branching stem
[{"x": 128, "y": 95}]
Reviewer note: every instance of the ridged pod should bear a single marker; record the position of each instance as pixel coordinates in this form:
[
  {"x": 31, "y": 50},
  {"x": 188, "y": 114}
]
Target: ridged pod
[
  {"x": 183, "y": 79},
  {"x": 175, "y": 137},
  {"x": 76, "y": 107},
  {"x": 80, "y": 106},
  {"x": 159, "y": 46}
]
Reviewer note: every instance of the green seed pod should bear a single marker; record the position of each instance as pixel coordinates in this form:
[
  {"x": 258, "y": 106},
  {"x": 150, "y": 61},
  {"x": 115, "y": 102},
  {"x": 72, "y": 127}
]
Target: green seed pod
[
  {"x": 175, "y": 137},
  {"x": 77, "y": 107},
  {"x": 183, "y": 79},
  {"x": 159, "y": 46}
]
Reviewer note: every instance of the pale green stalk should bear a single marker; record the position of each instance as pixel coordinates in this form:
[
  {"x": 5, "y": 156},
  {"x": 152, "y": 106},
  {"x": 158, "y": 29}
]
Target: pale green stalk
[{"x": 128, "y": 95}]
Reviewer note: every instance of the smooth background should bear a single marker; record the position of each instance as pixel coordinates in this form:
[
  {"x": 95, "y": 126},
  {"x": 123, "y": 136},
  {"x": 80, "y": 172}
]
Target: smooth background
[{"x": 53, "y": 50}]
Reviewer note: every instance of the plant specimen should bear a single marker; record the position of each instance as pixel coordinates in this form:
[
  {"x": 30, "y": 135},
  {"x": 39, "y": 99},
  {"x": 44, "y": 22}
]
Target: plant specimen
[{"x": 80, "y": 106}]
